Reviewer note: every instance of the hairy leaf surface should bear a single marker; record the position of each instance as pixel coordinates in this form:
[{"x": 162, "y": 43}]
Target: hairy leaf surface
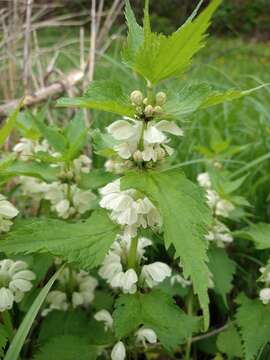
[
  {"x": 185, "y": 217},
  {"x": 84, "y": 243}
]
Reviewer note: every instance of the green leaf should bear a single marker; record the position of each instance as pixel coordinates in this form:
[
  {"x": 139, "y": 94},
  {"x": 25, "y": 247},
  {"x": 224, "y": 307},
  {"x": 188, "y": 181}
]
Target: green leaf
[
  {"x": 35, "y": 169},
  {"x": 223, "y": 269},
  {"x": 95, "y": 179},
  {"x": 103, "y": 95},
  {"x": 53, "y": 136},
  {"x": 253, "y": 319},
  {"x": 229, "y": 342},
  {"x": 21, "y": 334},
  {"x": 186, "y": 218},
  {"x": 229, "y": 95},
  {"x": 155, "y": 310},
  {"x": 160, "y": 57},
  {"x": 67, "y": 347},
  {"x": 135, "y": 36},
  {"x": 9, "y": 125},
  {"x": 3, "y": 339},
  {"x": 258, "y": 233},
  {"x": 84, "y": 243},
  {"x": 76, "y": 134}
]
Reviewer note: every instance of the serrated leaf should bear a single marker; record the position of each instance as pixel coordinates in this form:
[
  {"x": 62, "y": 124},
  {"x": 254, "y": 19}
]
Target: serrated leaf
[
  {"x": 103, "y": 95},
  {"x": 223, "y": 269},
  {"x": 34, "y": 169},
  {"x": 253, "y": 319},
  {"x": 95, "y": 179},
  {"x": 229, "y": 95},
  {"x": 157, "y": 311},
  {"x": 3, "y": 339},
  {"x": 67, "y": 347},
  {"x": 258, "y": 233},
  {"x": 160, "y": 57},
  {"x": 53, "y": 136},
  {"x": 185, "y": 217},
  {"x": 229, "y": 342},
  {"x": 84, "y": 243}
]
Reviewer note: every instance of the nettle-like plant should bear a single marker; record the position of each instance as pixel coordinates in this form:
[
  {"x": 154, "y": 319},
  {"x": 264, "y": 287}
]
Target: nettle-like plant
[{"x": 149, "y": 235}]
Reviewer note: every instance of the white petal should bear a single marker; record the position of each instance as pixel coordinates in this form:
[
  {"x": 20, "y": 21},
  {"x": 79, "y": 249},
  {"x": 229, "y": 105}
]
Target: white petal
[
  {"x": 170, "y": 127},
  {"x": 121, "y": 130},
  {"x": 21, "y": 285},
  {"x": 152, "y": 135},
  {"x": 6, "y": 299},
  {"x": 118, "y": 351}
]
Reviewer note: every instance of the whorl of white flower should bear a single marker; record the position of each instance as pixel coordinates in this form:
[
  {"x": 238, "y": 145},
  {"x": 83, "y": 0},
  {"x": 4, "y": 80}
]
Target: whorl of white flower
[
  {"x": 126, "y": 209},
  {"x": 67, "y": 200},
  {"x": 129, "y": 131},
  {"x": 219, "y": 206},
  {"x": 26, "y": 148},
  {"x": 118, "y": 351},
  {"x": 84, "y": 285},
  {"x": 144, "y": 335},
  {"x": 178, "y": 279},
  {"x": 155, "y": 273},
  {"x": 265, "y": 296},
  {"x": 126, "y": 281},
  {"x": 7, "y": 212},
  {"x": 15, "y": 281},
  {"x": 82, "y": 164},
  {"x": 220, "y": 234},
  {"x": 204, "y": 180},
  {"x": 265, "y": 275},
  {"x": 105, "y": 317},
  {"x": 56, "y": 300}
]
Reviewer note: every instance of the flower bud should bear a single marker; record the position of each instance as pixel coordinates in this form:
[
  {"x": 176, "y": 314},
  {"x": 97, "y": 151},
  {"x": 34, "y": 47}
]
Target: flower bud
[
  {"x": 149, "y": 110},
  {"x": 161, "y": 98},
  {"x": 137, "y": 156},
  {"x": 158, "y": 110},
  {"x": 145, "y": 101},
  {"x": 160, "y": 153},
  {"x": 136, "y": 97}
]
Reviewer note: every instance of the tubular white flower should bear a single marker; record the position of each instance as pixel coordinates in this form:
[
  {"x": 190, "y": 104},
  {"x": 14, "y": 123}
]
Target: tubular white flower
[
  {"x": 220, "y": 234},
  {"x": 56, "y": 300},
  {"x": 15, "y": 281},
  {"x": 144, "y": 335},
  {"x": 126, "y": 281},
  {"x": 118, "y": 351},
  {"x": 177, "y": 278},
  {"x": 266, "y": 276},
  {"x": 155, "y": 273},
  {"x": 106, "y": 317},
  {"x": 204, "y": 180},
  {"x": 7, "y": 212},
  {"x": 265, "y": 296}
]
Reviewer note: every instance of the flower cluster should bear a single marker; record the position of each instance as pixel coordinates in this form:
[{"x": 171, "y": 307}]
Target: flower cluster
[
  {"x": 142, "y": 336},
  {"x": 66, "y": 198},
  {"x": 219, "y": 233},
  {"x": 7, "y": 212},
  {"x": 15, "y": 281},
  {"x": 74, "y": 289},
  {"x": 265, "y": 292},
  {"x": 142, "y": 139}
]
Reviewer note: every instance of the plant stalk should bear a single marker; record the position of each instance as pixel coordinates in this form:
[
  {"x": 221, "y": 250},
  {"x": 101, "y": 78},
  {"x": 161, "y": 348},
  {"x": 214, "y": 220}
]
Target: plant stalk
[
  {"x": 132, "y": 257},
  {"x": 189, "y": 305}
]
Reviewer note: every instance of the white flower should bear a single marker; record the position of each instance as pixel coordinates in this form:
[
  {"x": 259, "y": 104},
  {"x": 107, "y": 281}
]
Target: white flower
[
  {"x": 265, "y": 295},
  {"x": 126, "y": 281},
  {"x": 82, "y": 164},
  {"x": 26, "y": 148},
  {"x": 204, "y": 180},
  {"x": 144, "y": 335},
  {"x": 57, "y": 300},
  {"x": 6, "y": 299},
  {"x": 7, "y": 212},
  {"x": 266, "y": 276},
  {"x": 155, "y": 273},
  {"x": 224, "y": 208},
  {"x": 15, "y": 281},
  {"x": 118, "y": 351},
  {"x": 220, "y": 234},
  {"x": 126, "y": 210},
  {"x": 106, "y": 317},
  {"x": 154, "y": 133},
  {"x": 177, "y": 278}
]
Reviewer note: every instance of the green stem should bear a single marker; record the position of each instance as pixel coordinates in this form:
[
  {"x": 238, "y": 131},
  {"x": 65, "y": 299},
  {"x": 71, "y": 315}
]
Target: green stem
[
  {"x": 141, "y": 142},
  {"x": 8, "y": 324},
  {"x": 150, "y": 94},
  {"x": 132, "y": 256},
  {"x": 189, "y": 304}
]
